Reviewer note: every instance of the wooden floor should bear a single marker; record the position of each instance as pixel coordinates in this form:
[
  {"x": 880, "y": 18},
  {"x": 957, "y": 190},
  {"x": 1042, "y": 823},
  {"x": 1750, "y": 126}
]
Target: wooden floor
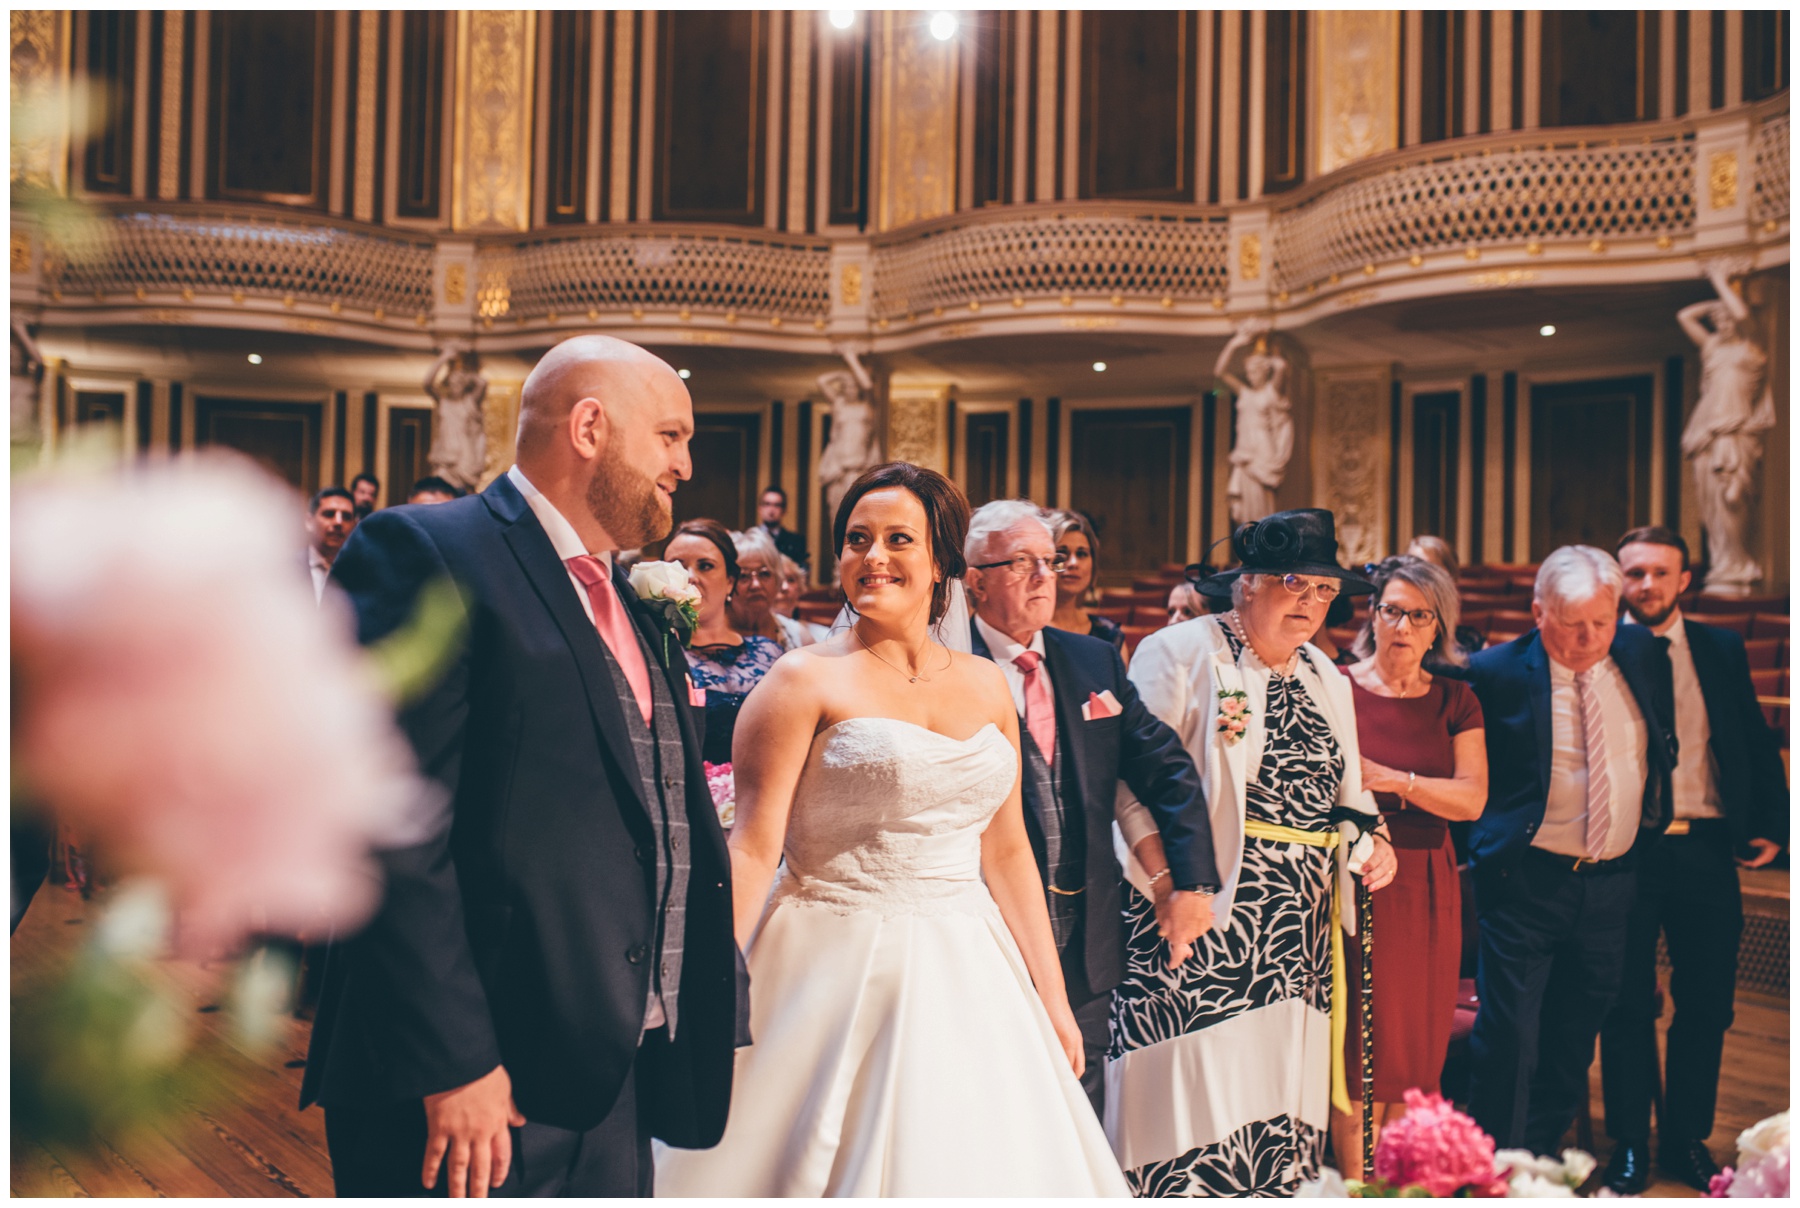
[{"x": 255, "y": 1143}]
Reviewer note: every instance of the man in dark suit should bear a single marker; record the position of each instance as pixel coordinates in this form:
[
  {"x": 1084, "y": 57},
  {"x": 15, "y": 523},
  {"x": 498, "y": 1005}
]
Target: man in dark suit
[
  {"x": 1084, "y": 729},
  {"x": 1730, "y": 799},
  {"x": 551, "y": 978},
  {"x": 769, "y": 513},
  {"x": 1580, "y": 756}
]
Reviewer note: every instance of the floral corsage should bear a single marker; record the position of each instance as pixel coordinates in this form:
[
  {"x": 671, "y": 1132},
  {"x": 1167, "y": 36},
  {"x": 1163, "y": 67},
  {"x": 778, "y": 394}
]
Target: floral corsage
[
  {"x": 669, "y": 591},
  {"x": 1234, "y": 714}
]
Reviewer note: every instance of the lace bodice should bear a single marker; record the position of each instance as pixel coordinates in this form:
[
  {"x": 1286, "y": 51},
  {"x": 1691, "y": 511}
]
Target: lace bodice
[{"x": 888, "y": 816}]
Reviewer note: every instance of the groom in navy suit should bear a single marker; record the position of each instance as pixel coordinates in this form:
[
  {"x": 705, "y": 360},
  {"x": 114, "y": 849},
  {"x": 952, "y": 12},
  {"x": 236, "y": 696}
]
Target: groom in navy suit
[
  {"x": 1580, "y": 748},
  {"x": 551, "y": 979},
  {"x": 1084, "y": 730}
]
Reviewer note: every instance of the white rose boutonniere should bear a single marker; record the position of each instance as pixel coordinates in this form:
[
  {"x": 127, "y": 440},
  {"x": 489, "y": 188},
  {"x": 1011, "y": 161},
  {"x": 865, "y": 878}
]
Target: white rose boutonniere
[{"x": 669, "y": 591}]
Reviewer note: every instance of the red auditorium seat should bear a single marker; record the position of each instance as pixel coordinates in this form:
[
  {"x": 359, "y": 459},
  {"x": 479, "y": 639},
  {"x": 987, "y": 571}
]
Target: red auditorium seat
[
  {"x": 1769, "y": 625},
  {"x": 1137, "y": 633},
  {"x": 1765, "y": 653}
]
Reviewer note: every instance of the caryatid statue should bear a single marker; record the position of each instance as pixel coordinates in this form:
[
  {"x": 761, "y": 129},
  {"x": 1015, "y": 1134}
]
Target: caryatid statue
[
  {"x": 458, "y": 434},
  {"x": 1723, "y": 438},
  {"x": 1265, "y": 422},
  {"x": 855, "y": 442}
]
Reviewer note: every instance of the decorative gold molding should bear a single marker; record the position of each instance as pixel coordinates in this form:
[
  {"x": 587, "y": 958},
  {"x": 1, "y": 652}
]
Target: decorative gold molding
[
  {"x": 914, "y": 429},
  {"x": 40, "y": 99},
  {"x": 1250, "y": 257},
  {"x": 21, "y": 252},
  {"x": 851, "y": 287},
  {"x": 1722, "y": 179},
  {"x": 916, "y": 120},
  {"x": 500, "y": 422},
  {"x": 1355, "y": 85},
  {"x": 368, "y": 72},
  {"x": 491, "y": 169},
  {"x": 1350, "y": 457},
  {"x": 456, "y": 283},
  {"x": 168, "y": 137},
  {"x": 1502, "y": 278},
  {"x": 1089, "y": 322}
]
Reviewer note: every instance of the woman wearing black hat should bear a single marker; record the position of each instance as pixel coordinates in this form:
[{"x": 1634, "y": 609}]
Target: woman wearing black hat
[{"x": 1226, "y": 1065}]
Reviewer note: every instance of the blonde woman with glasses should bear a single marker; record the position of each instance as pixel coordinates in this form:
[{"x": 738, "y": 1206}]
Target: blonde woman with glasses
[{"x": 1424, "y": 756}]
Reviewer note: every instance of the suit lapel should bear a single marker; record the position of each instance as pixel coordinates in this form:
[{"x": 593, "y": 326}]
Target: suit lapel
[
  {"x": 1537, "y": 688},
  {"x": 1708, "y": 671},
  {"x": 1070, "y": 694},
  {"x": 1632, "y": 670},
  {"x": 537, "y": 558}
]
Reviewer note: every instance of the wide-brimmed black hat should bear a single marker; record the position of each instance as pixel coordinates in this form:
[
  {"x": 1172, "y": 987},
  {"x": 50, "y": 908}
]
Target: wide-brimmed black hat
[{"x": 1299, "y": 542}]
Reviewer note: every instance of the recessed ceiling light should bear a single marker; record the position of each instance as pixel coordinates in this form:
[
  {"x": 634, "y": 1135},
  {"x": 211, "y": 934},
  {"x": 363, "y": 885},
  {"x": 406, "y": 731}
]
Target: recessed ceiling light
[
  {"x": 943, "y": 26},
  {"x": 1099, "y": 366},
  {"x": 254, "y": 358},
  {"x": 683, "y": 374},
  {"x": 1548, "y": 329},
  {"x": 843, "y": 18}
]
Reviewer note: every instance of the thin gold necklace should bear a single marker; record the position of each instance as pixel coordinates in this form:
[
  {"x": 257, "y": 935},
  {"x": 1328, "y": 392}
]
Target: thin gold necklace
[{"x": 921, "y": 677}]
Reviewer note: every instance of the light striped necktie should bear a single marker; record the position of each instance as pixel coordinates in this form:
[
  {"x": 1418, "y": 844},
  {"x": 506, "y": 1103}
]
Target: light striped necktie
[{"x": 1599, "y": 783}]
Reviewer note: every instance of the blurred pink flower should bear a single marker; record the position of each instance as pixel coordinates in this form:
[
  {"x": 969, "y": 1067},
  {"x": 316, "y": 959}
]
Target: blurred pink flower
[
  {"x": 723, "y": 786},
  {"x": 182, "y": 702},
  {"x": 1435, "y": 1147},
  {"x": 1720, "y": 1186}
]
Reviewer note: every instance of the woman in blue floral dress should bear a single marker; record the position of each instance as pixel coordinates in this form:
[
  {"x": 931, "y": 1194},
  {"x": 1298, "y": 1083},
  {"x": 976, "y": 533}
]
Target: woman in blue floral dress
[{"x": 722, "y": 662}]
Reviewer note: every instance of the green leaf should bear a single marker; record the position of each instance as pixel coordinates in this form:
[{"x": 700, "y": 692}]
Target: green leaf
[{"x": 412, "y": 659}]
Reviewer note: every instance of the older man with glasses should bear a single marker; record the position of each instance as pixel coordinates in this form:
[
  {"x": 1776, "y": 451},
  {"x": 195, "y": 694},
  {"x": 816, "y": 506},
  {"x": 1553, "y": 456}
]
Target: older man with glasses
[{"x": 1083, "y": 731}]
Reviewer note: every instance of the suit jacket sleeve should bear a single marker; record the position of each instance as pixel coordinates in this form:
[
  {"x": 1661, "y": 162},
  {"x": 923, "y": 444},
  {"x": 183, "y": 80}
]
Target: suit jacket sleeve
[
  {"x": 425, "y": 1008},
  {"x": 1161, "y": 774},
  {"x": 1767, "y": 778}
]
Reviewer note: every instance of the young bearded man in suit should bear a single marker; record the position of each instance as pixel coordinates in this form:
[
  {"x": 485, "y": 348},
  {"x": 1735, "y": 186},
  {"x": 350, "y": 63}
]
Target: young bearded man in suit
[
  {"x": 1731, "y": 809},
  {"x": 1084, "y": 731},
  {"x": 769, "y": 513},
  {"x": 1579, "y": 756},
  {"x": 551, "y": 979}
]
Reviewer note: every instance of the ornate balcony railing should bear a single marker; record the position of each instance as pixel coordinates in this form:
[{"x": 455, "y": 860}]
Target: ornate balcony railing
[
  {"x": 1063, "y": 251},
  {"x": 1769, "y": 173},
  {"x": 726, "y": 272},
  {"x": 137, "y": 251},
  {"x": 1480, "y": 197}
]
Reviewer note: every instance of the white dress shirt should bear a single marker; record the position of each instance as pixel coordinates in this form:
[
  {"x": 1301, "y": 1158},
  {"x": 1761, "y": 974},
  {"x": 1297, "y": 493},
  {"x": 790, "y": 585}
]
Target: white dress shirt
[
  {"x": 1696, "y": 779},
  {"x": 563, "y": 537},
  {"x": 1564, "y": 830},
  {"x": 321, "y": 571},
  {"x": 1005, "y": 650},
  {"x": 567, "y": 544}
]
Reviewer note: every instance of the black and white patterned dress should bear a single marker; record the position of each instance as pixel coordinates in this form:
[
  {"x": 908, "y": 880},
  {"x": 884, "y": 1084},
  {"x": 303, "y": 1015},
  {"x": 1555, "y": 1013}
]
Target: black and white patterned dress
[{"x": 1276, "y": 949}]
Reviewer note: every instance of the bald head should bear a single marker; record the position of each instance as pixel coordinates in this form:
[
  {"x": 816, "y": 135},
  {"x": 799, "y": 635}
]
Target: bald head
[{"x": 619, "y": 375}]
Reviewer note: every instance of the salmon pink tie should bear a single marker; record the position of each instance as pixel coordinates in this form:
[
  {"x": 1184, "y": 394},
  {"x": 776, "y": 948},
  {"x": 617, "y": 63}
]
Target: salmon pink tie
[
  {"x": 615, "y": 627},
  {"x": 1040, "y": 715}
]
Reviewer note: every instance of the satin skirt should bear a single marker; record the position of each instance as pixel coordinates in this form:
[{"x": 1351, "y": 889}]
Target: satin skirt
[{"x": 897, "y": 1054}]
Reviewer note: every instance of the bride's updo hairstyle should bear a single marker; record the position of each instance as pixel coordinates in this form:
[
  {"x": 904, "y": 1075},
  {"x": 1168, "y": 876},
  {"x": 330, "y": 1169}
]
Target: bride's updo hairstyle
[{"x": 946, "y": 520}]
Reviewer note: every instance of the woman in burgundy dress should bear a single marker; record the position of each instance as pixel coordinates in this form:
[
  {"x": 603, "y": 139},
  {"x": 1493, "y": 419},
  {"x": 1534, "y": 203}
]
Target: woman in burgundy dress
[{"x": 1424, "y": 756}]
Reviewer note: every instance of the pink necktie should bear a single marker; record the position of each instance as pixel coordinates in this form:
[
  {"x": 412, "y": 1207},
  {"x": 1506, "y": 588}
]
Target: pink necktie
[
  {"x": 1040, "y": 714},
  {"x": 615, "y": 627},
  {"x": 1599, "y": 784}
]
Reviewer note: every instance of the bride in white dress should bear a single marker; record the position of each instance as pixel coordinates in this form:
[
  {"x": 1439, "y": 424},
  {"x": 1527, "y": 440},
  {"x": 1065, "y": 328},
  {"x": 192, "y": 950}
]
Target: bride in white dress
[{"x": 912, "y": 1034}]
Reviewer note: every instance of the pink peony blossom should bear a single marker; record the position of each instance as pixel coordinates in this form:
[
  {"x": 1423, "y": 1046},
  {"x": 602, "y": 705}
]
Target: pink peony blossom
[
  {"x": 1232, "y": 706},
  {"x": 1720, "y": 1186},
  {"x": 184, "y": 705},
  {"x": 1435, "y": 1147},
  {"x": 1766, "y": 1179},
  {"x": 1235, "y": 725}
]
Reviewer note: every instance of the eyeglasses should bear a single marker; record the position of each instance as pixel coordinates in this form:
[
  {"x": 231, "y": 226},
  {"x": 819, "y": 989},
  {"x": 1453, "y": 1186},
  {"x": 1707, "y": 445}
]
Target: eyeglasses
[
  {"x": 1421, "y": 618},
  {"x": 1326, "y": 591},
  {"x": 1022, "y": 565},
  {"x": 758, "y": 576}
]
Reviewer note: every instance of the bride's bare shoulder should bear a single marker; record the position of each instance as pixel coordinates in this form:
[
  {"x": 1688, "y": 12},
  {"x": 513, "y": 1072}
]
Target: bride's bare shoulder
[{"x": 981, "y": 675}]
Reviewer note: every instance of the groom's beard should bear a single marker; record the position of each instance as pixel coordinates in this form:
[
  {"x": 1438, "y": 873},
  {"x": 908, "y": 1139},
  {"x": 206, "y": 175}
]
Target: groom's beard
[{"x": 625, "y": 503}]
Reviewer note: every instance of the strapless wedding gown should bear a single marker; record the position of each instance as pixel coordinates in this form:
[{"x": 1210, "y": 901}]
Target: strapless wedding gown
[{"x": 900, "y": 1047}]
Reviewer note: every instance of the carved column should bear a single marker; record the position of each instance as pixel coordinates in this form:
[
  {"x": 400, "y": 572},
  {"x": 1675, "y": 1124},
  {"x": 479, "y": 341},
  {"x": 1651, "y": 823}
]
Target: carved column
[
  {"x": 40, "y": 99},
  {"x": 1350, "y": 452},
  {"x": 491, "y": 164}
]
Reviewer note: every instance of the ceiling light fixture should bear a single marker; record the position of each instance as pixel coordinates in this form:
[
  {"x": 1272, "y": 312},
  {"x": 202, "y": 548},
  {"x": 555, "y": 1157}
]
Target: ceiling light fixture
[
  {"x": 1548, "y": 329},
  {"x": 843, "y": 18},
  {"x": 254, "y": 358},
  {"x": 1099, "y": 366},
  {"x": 943, "y": 26}
]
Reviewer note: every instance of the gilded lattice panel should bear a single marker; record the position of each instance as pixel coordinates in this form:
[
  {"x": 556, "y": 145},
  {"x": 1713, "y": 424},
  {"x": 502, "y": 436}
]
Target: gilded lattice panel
[
  {"x": 1101, "y": 254},
  {"x": 1769, "y": 171},
  {"x": 222, "y": 255},
  {"x": 1500, "y": 197},
  {"x": 729, "y": 275}
]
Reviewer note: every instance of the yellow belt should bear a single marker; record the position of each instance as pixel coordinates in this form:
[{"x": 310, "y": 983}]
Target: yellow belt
[{"x": 1340, "y": 992}]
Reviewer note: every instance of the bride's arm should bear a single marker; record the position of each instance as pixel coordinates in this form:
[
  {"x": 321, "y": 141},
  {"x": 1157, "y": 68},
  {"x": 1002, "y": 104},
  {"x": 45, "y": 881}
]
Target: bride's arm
[
  {"x": 1012, "y": 877},
  {"x": 768, "y": 751}
]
